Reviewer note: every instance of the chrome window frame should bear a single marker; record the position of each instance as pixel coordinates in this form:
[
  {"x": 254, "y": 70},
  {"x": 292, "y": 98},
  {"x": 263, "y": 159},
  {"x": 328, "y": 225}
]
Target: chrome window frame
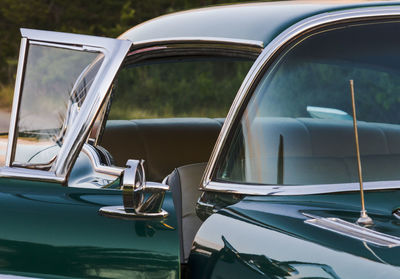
[
  {"x": 261, "y": 66},
  {"x": 114, "y": 51},
  {"x": 185, "y": 46}
]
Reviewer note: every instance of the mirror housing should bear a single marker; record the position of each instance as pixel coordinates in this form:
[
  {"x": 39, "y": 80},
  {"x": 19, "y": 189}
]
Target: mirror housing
[{"x": 141, "y": 200}]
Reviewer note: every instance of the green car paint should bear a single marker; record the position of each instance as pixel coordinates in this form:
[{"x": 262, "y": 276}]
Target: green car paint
[
  {"x": 267, "y": 237},
  {"x": 257, "y": 21},
  {"x": 50, "y": 230}
]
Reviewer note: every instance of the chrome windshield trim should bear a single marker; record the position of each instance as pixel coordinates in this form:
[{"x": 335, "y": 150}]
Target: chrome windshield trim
[
  {"x": 307, "y": 25},
  {"x": 296, "y": 190}
]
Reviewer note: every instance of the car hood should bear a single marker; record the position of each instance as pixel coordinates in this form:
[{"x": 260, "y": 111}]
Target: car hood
[{"x": 288, "y": 215}]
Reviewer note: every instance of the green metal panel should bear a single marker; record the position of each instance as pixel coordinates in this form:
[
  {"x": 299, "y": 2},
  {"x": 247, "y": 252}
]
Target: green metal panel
[
  {"x": 267, "y": 237},
  {"x": 50, "y": 230}
]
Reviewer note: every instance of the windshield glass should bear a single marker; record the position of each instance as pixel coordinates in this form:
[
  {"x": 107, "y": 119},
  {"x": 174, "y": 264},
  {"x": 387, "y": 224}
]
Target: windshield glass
[
  {"x": 50, "y": 100},
  {"x": 297, "y": 128}
]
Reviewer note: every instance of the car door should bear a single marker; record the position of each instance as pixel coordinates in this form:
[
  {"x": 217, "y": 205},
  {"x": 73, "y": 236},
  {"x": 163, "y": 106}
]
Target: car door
[{"x": 50, "y": 229}]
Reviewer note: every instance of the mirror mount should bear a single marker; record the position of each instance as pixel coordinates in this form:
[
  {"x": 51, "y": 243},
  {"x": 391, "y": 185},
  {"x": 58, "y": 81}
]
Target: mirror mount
[{"x": 141, "y": 200}]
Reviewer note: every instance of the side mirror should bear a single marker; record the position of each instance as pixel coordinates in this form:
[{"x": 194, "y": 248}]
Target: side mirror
[{"x": 141, "y": 200}]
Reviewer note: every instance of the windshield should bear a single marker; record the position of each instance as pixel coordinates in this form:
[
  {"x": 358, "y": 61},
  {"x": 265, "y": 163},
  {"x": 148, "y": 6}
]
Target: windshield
[{"x": 297, "y": 128}]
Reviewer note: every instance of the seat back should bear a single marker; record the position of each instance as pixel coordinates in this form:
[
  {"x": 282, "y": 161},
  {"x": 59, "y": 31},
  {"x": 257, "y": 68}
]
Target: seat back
[
  {"x": 164, "y": 144},
  {"x": 322, "y": 151},
  {"x": 184, "y": 183}
]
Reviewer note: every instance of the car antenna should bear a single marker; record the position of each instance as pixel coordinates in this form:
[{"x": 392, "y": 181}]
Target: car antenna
[{"x": 364, "y": 219}]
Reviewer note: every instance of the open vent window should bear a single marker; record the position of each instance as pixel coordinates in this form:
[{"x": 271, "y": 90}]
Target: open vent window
[{"x": 62, "y": 82}]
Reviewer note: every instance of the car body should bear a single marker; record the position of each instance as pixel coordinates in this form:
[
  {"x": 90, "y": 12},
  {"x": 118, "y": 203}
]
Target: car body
[{"x": 279, "y": 191}]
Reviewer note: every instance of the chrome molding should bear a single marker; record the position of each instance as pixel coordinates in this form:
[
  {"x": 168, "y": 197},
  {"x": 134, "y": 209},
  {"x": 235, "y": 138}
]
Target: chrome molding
[
  {"x": 97, "y": 166},
  {"x": 30, "y": 174},
  {"x": 355, "y": 231},
  {"x": 16, "y": 100},
  {"x": 301, "y": 28},
  {"x": 199, "y": 40},
  {"x": 296, "y": 190},
  {"x": 194, "y": 46}
]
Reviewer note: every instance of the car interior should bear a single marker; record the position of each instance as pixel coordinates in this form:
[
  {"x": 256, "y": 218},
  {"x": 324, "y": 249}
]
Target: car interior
[
  {"x": 177, "y": 133},
  {"x": 174, "y": 150}
]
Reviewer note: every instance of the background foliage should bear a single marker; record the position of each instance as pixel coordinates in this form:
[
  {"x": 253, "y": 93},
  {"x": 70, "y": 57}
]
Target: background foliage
[
  {"x": 202, "y": 87},
  {"x": 97, "y": 17}
]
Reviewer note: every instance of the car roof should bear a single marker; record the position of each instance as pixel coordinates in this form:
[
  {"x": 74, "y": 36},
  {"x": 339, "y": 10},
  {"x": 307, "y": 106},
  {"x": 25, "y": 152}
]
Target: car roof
[{"x": 256, "y": 21}]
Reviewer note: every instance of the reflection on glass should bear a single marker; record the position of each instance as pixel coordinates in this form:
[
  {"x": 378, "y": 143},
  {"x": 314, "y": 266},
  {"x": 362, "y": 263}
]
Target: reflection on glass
[
  {"x": 297, "y": 127},
  {"x": 55, "y": 84}
]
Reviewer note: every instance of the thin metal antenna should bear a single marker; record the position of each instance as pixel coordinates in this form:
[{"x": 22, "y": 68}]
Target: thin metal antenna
[{"x": 364, "y": 219}]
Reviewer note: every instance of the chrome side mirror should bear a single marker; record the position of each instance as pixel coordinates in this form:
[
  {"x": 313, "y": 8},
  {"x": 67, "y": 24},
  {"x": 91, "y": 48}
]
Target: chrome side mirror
[
  {"x": 141, "y": 200},
  {"x": 133, "y": 185}
]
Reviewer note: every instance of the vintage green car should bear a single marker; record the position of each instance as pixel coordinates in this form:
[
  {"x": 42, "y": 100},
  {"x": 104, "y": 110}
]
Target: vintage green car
[{"x": 123, "y": 161}]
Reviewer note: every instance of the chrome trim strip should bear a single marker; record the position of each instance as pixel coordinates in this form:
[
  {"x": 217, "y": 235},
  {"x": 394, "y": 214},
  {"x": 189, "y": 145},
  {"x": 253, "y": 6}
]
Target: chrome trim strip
[
  {"x": 99, "y": 168},
  {"x": 30, "y": 174},
  {"x": 355, "y": 231},
  {"x": 193, "y": 46},
  {"x": 266, "y": 57},
  {"x": 16, "y": 100},
  {"x": 197, "y": 40},
  {"x": 296, "y": 190}
]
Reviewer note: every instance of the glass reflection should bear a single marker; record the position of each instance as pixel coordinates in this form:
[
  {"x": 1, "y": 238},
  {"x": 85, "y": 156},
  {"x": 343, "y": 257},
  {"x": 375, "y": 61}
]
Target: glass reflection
[{"x": 297, "y": 127}]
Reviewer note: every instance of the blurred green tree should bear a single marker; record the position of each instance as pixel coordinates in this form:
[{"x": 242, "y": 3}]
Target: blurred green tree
[{"x": 98, "y": 17}]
